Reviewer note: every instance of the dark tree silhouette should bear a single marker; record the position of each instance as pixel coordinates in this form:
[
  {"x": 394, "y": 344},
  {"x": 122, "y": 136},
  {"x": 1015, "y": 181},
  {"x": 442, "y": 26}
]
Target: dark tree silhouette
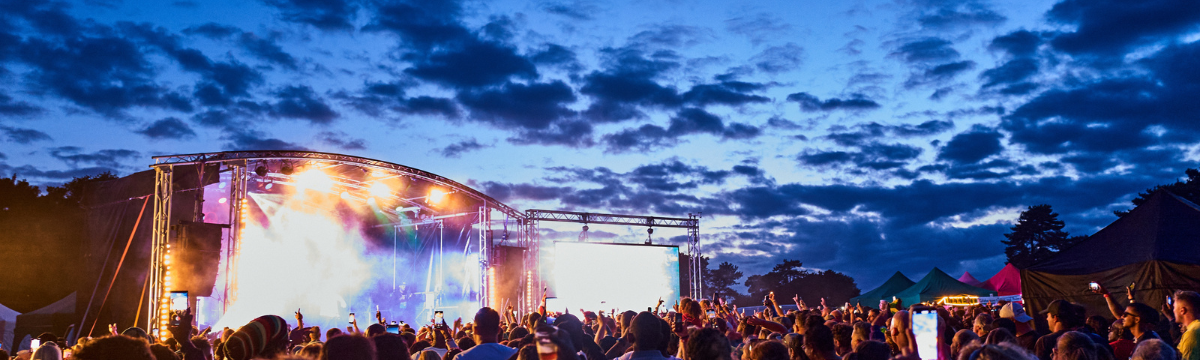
[
  {"x": 1188, "y": 189},
  {"x": 719, "y": 281},
  {"x": 1037, "y": 236},
  {"x": 791, "y": 278}
]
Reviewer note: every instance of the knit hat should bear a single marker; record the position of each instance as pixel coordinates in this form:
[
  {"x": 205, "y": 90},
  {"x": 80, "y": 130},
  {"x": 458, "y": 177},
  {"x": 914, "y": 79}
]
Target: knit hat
[{"x": 252, "y": 339}]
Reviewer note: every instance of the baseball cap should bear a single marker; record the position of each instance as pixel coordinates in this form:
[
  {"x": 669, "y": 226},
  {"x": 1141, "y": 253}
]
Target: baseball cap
[
  {"x": 1015, "y": 311},
  {"x": 1060, "y": 308}
]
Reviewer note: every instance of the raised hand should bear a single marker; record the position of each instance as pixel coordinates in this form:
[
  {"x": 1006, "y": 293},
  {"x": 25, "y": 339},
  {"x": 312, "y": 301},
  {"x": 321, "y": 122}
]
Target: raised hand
[
  {"x": 112, "y": 328},
  {"x": 796, "y": 298}
]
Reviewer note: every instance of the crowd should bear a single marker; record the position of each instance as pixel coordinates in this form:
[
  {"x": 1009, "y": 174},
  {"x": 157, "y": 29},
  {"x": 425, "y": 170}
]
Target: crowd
[{"x": 690, "y": 330}]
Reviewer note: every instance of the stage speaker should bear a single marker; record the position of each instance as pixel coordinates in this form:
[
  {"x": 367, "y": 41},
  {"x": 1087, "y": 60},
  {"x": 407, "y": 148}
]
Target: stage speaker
[
  {"x": 197, "y": 257},
  {"x": 510, "y": 277}
]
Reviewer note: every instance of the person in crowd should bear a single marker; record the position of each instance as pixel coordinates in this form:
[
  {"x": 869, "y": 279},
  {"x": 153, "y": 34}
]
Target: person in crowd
[
  {"x": 48, "y": 351},
  {"x": 1074, "y": 345},
  {"x": 872, "y": 350},
  {"x": 1121, "y": 341},
  {"x": 348, "y": 347},
  {"x": 795, "y": 345},
  {"x": 265, "y": 336},
  {"x": 528, "y": 352},
  {"x": 707, "y": 344},
  {"x": 1061, "y": 317},
  {"x": 486, "y": 336},
  {"x": 119, "y": 347},
  {"x": 982, "y": 324},
  {"x": 1027, "y": 334},
  {"x": 961, "y": 340},
  {"x": 1139, "y": 319},
  {"x": 645, "y": 329},
  {"x": 1184, "y": 312},
  {"x": 1000, "y": 335},
  {"x": 842, "y": 338},
  {"x": 1154, "y": 349},
  {"x": 818, "y": 343},
  {"x": 163, "y": 352},
  {"x": 389, "y": 347},
  {"x": 862, "y": 332},
  {"x": 770, "y": 350},
  {"x": 311, "y": 350},
  {"x": 1003, "y": 351}
]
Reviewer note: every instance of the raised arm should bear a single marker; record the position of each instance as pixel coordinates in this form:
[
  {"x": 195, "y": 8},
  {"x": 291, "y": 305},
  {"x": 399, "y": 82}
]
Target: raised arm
[{"x": 1113, "y": 306}]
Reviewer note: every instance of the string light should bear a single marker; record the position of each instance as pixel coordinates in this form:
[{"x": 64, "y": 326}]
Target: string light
[
  {"x": 528, "y": 289},
  {"x": 492, "y": 287}
]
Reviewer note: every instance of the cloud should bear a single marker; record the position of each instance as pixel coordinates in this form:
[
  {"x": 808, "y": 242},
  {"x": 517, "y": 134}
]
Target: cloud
[
  {"x": 759, "y": 27},
  {"x": 1018, "y": 43},
  {"x": 326, "y": 15},
  {"x": 9, "y": 107},
  {"x": 267, "y": 49},
  {"x": 300, "y": 102},
  {"x": 864, "y": 133},
  {"x": 779, "y": 59},
  {"x": 575, "y": 10},
  {"x": 109, "y": 158},
  {"x": 341, "y": 140},
  {"x": 1112, "y": 28},
  {"x": 256, "y": 140},
  {"x": 685, "y": 122},
  {"x": 212, "y": 30},
  {"x": 856, "y": 102},
  {"x": 570, "y": 133},
  {"x": 556, "y": 55},
  {"x": 671, "y": 36},
  {"x": 972, "y": 146},
  {"x": 24, "y": 136},
  {"x": 472, "y": 65},
  {"x": 456, "y": 150},
  {"x": 732, "y": 93},
  {"x": 960, "y": 14},
  {"x": 939, "y": 74},
  {"x": 168, "y": 128},
  {"x": 519, "y": 106},
  {"x": 421, "y": 24},
  {"x": 926, "y": 50},
  {"x": 875, "y": 156}
]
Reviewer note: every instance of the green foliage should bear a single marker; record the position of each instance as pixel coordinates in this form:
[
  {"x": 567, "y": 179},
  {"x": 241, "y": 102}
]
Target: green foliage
[
  {"x": 1188, "y": 189},
  {"x": 1037, "y": 236},
  {"x": 790, "y": 278}
]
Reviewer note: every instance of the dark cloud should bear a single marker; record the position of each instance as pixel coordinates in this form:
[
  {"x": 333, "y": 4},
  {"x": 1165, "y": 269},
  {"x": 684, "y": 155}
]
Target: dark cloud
[
  {"x": 781, "y": 123},
  {"x": 256, "y": 140},
  {"x": 808, "y": 102},
  {"x": 671, "y": 36},
  {"x": 168, "y": 128},
  {"x": 109, "y": 158},
  {"x": 456, "y": 150},
  {"x": 422, "y": 24},
  {"x": 628, "y": 82},
  {"x": 972, "y": 146},
  {"x": 24, "y": 136},
  {"x": 267, "y": 49},
  {"x": 571, "y": 133},
  {"x": 519, "y": 106},
  {"x": 731, "y": 93},
  {"x": 223, "y": 82},
  {"x": 685, "y": 122},
  {"x": 213, "y": 30},
  {"x": 759, "y": 27},
  {"x": 862, "y": 134},
  {"x": 473, "y": 65},
  {"x": 1018, "y": 43},
  {"x": 376, "y": 98},
  {"x": 300, "y": 102},
  {"x": 556, "y": 55},
  {"x": 9, "y": 107},
  {"x": 341, "y": 140},
  {"x": 1012, "y": 72},
  {"x": 1110, "y": 28},
  {"x": 939, "y": 73},
  {"x": 960, "y": 14},
  {"x": 874, "y": 156},
  {"x": 322, "y": 14},
  {"x": 508, "y": 192},
  {"x": 926, "y": 50},
  {"x": 577, "y": 10},
  {"x": 778, "y": 59}
]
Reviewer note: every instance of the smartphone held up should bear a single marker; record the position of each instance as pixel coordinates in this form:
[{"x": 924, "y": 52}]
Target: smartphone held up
[{"x": 925, "y": 327}]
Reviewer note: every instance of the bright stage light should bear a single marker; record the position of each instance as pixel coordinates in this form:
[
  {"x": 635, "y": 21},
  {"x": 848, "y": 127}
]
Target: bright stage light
[
  {"x": 314, "y": 179},
  {"x": 436, "y": 196},
  {"x": 222, "y": 200},
  {"x": 345, "y": 196},
  {"x": 379, "y": 189},
  {"x": 645, "y": 274}
]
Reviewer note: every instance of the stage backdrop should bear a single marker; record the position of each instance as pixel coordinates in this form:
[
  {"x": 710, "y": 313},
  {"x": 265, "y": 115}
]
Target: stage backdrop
[{"x": 595, "y": 276}]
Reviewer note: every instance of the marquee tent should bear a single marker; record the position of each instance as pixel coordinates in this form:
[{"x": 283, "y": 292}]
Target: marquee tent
[
  {"x": 935, "y": 285},
  {"x": 8, "y": 323},
  {"x": 1006, "y": 282},
  {"x": 1155, "y": 246},
  {"x": 966, "y": 278},
  {"x": 897, "y": 283},
  {"x": 55, "y": 318}
]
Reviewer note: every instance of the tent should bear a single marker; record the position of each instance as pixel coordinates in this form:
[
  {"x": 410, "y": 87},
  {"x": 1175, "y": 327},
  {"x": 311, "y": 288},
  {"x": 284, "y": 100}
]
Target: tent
[
  {"x": 1156, "y": 246},
  {"x": 897, "y": 283},
  {"x": 8, "y": 323},
  {"x": 1006, "y": 282},
  {"x": 936, "y": 285},
  {"x": 54, "y": 318},
  {"x": 966, "y": 278}
]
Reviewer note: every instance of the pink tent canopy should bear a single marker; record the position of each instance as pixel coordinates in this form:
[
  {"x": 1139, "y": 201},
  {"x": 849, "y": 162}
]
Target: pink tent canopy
[
  {"x": 970, "y": 280},
  {"x": 1006, "y": 282}
]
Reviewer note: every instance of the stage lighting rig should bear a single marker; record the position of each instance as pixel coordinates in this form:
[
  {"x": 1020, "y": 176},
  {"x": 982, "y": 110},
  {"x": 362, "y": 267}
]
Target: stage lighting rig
[
  {"x": 260, "y": 170},
  {"x": 286, "y": 169}
]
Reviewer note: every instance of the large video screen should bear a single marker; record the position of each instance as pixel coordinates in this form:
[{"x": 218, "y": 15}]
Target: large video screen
[{"x": 593, "y": 276}]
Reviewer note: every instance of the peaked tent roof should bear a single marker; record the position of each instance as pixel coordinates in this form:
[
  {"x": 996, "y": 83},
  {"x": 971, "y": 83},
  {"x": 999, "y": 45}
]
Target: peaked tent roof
[
  {"x": 935, "y": 285},
  {"x": 966, "y": 278},
  {"x": 1006, "y": 282},
  {"x": 8, "y": 323},
  {"x": 1164, "y": 228},
  {"x": 897, "y": 283}
]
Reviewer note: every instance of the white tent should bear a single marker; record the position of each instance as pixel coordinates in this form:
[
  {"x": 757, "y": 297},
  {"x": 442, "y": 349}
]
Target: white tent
[{"x": 8, "y": 323}]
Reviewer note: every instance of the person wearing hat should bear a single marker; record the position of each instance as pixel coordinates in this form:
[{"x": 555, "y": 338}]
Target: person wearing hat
[
  {"x": 1060, "y": 318},
  {"x": 1027, "y": 335}
]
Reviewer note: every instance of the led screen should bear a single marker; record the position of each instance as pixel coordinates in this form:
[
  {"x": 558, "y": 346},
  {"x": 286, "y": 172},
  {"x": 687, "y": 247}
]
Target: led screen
[{"x": 594, "y": 276}]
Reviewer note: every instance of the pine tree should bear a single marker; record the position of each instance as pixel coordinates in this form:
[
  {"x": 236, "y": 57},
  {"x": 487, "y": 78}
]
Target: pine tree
[
  {"x": 1037, "y": 236},
  {"x": 719, "y": 281}
]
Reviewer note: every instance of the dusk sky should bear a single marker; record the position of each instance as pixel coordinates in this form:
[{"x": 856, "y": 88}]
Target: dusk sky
[{"x": 860, "y": 136}]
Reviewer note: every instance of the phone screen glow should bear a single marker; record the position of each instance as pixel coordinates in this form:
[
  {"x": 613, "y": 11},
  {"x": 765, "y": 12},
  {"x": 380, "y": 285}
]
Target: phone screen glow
[{"x": 925, "y": 328}]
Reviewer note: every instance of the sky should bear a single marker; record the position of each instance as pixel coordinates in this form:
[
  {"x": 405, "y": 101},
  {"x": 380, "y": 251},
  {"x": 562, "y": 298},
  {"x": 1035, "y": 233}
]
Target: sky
[{"x": 864, "y": 137}]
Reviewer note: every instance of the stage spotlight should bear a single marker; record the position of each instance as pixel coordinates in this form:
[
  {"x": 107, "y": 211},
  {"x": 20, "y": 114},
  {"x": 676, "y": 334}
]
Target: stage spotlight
[
  {"x": 345, "y": 196},
  {"x": 222, "y": 200},
  {"x": 379, "y": 189},
  {"x": 314, "y": 179},
  {"x": 436, "y": 196},
  {"x": 286, "y": 169},
  {"x": 371, "y": 202},
  {"x": 261, "y": 170}
]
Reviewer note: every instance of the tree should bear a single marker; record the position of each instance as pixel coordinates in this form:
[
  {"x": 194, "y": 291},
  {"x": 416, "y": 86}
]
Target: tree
[
  {"x": 1037, "y": 236},
  {"x": 719, "y": 281},
  {"x": 791, "y": 278},
  {"x": 1188, "y": 189}
]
